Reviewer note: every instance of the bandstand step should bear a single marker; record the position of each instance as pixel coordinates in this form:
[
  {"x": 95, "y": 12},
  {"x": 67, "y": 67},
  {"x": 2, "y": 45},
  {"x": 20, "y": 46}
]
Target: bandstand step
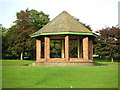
[{"x": 62, "y": 64}]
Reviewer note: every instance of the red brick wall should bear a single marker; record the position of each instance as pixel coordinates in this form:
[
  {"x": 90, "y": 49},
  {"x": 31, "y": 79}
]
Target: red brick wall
[
  {"x": 90, "y": 48},
  {"x": 85, "y": 48},
  {"x": 38, "y": 50},
  {"x": 67, "y": 47},
  {"x": 47, "y": 48}
]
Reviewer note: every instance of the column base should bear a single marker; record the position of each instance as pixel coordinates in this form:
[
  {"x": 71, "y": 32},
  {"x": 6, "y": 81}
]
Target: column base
[
  {"x": 63, "y": 60},
  {"x": 63, "y": 64}
]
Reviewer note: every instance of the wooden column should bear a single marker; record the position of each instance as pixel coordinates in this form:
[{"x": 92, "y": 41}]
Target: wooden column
[
  {"x": 81, "y": 49},
  {"x": 91, "y": 49},
  {"x": 38, "y": 50},
  {"x": 67, "y": 48},
  {"x": 85, "y": 48},
  {"x": 78, "y": 41},
  {"x": 62, "y": 51},
  {"x": 47, "y": 48}
]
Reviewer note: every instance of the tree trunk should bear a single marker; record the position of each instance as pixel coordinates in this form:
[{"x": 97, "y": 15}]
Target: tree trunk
[
  {"x": 112, "y": 59},
  {"x": 21, "y": 56}
]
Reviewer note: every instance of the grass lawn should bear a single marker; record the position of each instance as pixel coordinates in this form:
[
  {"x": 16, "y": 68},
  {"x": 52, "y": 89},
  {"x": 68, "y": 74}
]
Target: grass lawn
[
  {"x": 59, "y": 76},
  {"x": 106, "y": 63},
  {"x": 27, "y": 62},
  {"x": 17, "y": 62}
]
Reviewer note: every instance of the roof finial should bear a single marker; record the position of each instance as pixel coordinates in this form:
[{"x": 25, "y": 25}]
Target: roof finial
[{"x": 64, "y": 11}]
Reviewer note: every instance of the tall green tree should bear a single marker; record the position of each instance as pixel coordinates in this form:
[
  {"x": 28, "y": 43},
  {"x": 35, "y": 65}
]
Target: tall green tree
[
  {"x": 3, "y": 40},
  {"x": 38, "y": 19},
  {"x": 108, "y": 42},
  {"x": 28, "y": 22}
]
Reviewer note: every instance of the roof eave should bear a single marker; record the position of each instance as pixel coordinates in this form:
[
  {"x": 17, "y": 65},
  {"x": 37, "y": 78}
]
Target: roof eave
[{"x": 60, "y": 33}]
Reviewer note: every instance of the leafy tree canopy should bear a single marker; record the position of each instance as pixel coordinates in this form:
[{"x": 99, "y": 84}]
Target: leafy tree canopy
[
  {"x": 28, "y": 22},
  {"x": 108, "y": 42}
]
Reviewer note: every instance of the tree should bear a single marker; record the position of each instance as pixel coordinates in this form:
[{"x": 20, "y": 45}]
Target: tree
[
  {"x": 108, "y": 42},
  {"x": 38, "y": 19},
  {"x": 3, "y": 40},
  {"x": 28, "y": 22}
]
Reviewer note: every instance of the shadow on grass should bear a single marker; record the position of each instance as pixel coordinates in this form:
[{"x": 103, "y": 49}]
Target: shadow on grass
[
  {"x": 100, "y": 64},
  {"x": 106, "y": 63},
  {"x": 25, "y": 64}
]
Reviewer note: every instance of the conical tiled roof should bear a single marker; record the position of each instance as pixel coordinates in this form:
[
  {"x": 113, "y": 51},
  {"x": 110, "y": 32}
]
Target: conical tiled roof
[{"x": 64, "y": 22}]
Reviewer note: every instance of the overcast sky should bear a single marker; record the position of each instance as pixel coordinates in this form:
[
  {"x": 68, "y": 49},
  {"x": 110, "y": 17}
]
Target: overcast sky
[{"x": 96, "y": 13}]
